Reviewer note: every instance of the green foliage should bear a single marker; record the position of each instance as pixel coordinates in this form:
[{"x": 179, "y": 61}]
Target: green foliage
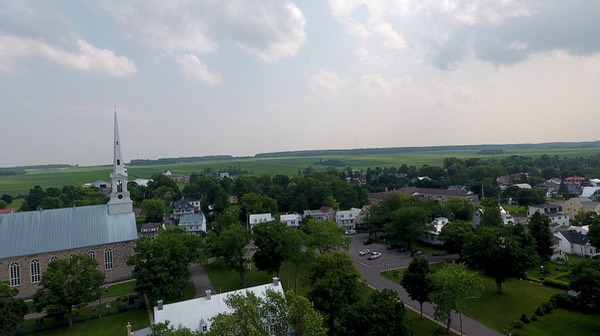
[
  {"x": 490, "y": 212},
  {"x": 539, "y": 228},
  {"x": 539, "y": 312},
  {"x": 417, "y": 281},
  {"x": 594, "y": 231},
  {"x": 166, "y": 329},
  {"x": 154, "y": 209},
  {"x": 160, "y": 264},
  {"x": 68, "y": 283},
  {"x": 3, "y": 204},
  {"x": 524, "y": 318},
  {"x": 268, "y": 239},
  {"x": 12, "y": 309},
  {"x": 453, "y": 235},
  {"x": 325, "y": 236},
  {"x": 382, "y": 313},
  {"x": 230, "y": 247},
  {"x": 453, "y": 284},
  {"x": 534, "y": 318},
  {"x": 585, "y": 280},
  {"x": 254, "y": 203},
  {"x": 459, "y": 209},
  {"x": 335, "y": 284}
]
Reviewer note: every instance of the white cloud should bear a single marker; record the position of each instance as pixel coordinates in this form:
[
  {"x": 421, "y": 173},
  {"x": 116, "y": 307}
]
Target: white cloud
[
  {"x": 326, "y": 81},
  {"x": 194, "y": 68},
  {"x": 86, "y": 57},
  {"x": 375, "y": 84}
]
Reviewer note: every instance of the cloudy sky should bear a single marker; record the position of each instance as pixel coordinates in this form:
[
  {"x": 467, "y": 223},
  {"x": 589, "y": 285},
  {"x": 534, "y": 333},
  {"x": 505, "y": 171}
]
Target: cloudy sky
[{"x": 240, "y": 77}]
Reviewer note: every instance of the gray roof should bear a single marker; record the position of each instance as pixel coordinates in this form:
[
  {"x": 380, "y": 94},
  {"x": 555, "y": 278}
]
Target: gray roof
[
  {"x": 575, "y": 237},
  {"x": 191, "y": 219},
  {"x": 26, "y": 233}
]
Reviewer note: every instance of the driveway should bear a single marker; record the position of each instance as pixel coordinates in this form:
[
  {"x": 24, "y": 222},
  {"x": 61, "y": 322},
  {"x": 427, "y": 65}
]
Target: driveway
[{"x": 392, "y": 259}]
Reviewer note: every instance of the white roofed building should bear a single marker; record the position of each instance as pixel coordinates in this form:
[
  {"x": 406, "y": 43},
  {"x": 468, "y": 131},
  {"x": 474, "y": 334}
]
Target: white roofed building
[
  {"x": 259, "y": 218},
  {"x": 290, "y": 220}
]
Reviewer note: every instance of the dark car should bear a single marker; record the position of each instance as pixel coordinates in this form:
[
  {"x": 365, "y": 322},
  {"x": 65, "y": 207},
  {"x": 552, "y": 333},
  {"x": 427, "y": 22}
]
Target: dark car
[
  {"x": 367, "y": 241},
  {"x": 416, "y": 253},
  {"x": 402, "y": 249}
]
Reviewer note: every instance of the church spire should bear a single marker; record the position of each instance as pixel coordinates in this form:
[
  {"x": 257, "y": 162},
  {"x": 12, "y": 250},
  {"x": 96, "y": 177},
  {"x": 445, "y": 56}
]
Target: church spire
[{"x": 119, "y": 202}]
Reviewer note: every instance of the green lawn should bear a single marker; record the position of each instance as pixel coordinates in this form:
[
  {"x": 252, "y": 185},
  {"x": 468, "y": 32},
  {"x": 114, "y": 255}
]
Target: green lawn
[
  {"x": 119, "y": 289},
  {"x": 225, "y": 280},
  {"x": 107, "y": 326}
]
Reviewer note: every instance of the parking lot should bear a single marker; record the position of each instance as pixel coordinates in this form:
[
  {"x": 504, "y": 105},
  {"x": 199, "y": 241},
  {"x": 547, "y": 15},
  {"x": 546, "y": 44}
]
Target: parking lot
[{"x": 389, "y": 258}]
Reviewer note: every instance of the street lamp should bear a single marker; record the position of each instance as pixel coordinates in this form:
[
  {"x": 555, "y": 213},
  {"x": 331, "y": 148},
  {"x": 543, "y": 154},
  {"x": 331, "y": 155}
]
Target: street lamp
[{"x": 460, "y": 311}]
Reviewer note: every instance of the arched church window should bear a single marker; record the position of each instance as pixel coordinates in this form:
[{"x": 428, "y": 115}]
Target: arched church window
[
  {"x": 15, "y": 274},
  {"x": 108, "y": 259},
  {"x": 36, "y": 275}
]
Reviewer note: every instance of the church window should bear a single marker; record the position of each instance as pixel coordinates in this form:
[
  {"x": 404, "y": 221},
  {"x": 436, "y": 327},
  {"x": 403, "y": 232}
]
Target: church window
[
  {"x": 108, "y": 259},
  {"x": 120, "y": 186},
  {"x": 118, "y": 161},
  {"x": 92, "y": 254},
  {"x": 15, "y": 275},
  {"x": 36, "y": 275}
]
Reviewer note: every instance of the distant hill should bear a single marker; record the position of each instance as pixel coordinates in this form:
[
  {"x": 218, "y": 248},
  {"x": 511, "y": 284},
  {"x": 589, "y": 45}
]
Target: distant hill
[{"x": 169, "y": 161}]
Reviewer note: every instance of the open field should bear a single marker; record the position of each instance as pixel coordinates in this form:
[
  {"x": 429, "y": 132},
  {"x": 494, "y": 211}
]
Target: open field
[{"x": 20, "y": 184}]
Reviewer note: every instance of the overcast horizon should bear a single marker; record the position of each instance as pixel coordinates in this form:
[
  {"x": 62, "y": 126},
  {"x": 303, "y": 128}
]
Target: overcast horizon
[{"x": 241, "y": 77}]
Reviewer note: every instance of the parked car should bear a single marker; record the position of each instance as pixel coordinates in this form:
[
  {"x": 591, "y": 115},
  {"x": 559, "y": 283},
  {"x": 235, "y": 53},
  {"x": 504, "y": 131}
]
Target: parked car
[
  {"x": 367, "y": 241},
  {"x": 374, "y": 255},
  {"x": 364, "y": 251},
  {"x": 350, "y": 232},
  {"x": 416, "y": 253},
  {"x": 402, "y": 249}
]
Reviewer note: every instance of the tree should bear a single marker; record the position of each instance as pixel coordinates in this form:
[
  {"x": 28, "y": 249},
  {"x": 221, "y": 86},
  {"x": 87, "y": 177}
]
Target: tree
[
  {"x": 230, "y": 246},
  {"x": 161, "y": 264},
  {"x": 408, "y": 225},
  {"x": 68, "y": 283},
  {"x": 416, "y": 280},
  {"x": 501, "y": 252},
  {"x": 460, "y": 208},
  {"x": 275, "y": 314},
  {"x": 539, "y": 228},
  {"x": 154, "y": 209},
  {"x": 453, "y": 235},
  {"x": 453, "y": 285},
  {"x": 12, "y": 309},
  {"x": 325, "y": 236},
  {"x": 254, "y": 203},
  {"x": 335, "y": 283},
  {"x": 294, "y": 251},
  {"x": 490, "y": 212},
  {"x": 268, "y": 239},
  {"x": 382, "y": 313},
  {"x": 594, "y": 232},
  {"x": 585, "y": 280},
  {"x": 584, "y": 218},
  {"x": 166, "y": 329},
  {"x": 3, "y": 204}
]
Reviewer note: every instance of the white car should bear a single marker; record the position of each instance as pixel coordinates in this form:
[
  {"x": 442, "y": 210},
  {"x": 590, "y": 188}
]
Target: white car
[
  {"x": 374, "y": 255},
  {"x": 364, "y": 251},
  {"x": 350, "y": 232}
]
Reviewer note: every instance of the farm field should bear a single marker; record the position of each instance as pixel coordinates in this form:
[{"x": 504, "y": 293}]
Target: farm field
[{"x": 20, "y": 184}]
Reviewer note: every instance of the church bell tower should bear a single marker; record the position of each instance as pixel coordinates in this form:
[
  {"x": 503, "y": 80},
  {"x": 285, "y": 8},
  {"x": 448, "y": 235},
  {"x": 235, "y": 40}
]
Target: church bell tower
[{"x": 120, "y": 202}]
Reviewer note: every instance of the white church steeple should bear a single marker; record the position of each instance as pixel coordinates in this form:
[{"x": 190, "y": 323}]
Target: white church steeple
[{"x": 119, "y": 202}]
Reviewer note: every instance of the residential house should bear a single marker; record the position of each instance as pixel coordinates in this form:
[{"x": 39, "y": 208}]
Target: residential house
[
  {"x": 322, "y": 214},
  {"x": 290, "y": 220},
  {"x": 193, "y": 223},
  {"x": 433, "y": 236},
  {"x": 142, "y": 182},
  {"x": 361, "y": 218},
  {"x": 347, "y": 218},
  {"x": 234, "y": 199},
  {"x": 30, "y": 240},
  {"x": 575, "y": 241},
  {"x": 149, "y": 229},
  {"x": 574, "y": 180},
  {"x": 553, "y": 211},
  {"x": 506, "y": 217},
  {"x": 183, "y": 207},
  {"x": 259, "y": 218},
  {"x": 592, "y": 193},
  {"x": 197, "y": 314},
  {"x": 595, "y": 182},
  {"x": 577, "y": 205},
  {"x": 439, "y": 194}
]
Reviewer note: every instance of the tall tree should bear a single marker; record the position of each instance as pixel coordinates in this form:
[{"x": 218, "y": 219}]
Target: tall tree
[
  {"x": 230, "y": 246},
  {"x": 594, "y": 232},
  {"x": 585, "y": 280},
  {"x": 268, "y": 239},
  {"x": 325, "y": 236},
  {"x": 69, "y": 283},
  {"x": 382, "y": 313},
  {"x": 295, "y": 252},
  {"x": 12, "y": 309},
  {"x": 453, "y": 235},
  {"x": 460, "y": 209},
  {"x": 154, "y": 209},
  {"x": 273, "y": 315},
  {"x": 501, "y": 252},
  {"x": 417, "y": 282},
  {"x": 490, "y": 215},
  {"x": 161, "y": 264},
  {"x": 453, "y": 285},
  {"x": 335, "y": 283},
  {"x": 408, "y": 225},
  {"x": 539, "y": 228}
]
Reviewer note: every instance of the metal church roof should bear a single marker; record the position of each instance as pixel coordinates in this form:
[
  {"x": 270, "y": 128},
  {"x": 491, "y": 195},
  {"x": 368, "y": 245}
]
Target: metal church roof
[{"x": 32, "y": 232}]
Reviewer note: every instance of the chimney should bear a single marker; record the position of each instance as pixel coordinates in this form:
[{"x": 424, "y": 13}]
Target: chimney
[
  {"x": 159, "y": 303},
  {"x": 208, "y": 292},
  {"x": 275, "y": 281}
]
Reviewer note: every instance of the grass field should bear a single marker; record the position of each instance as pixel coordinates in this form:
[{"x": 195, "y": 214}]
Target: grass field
[{"x": 14, "y": 185}]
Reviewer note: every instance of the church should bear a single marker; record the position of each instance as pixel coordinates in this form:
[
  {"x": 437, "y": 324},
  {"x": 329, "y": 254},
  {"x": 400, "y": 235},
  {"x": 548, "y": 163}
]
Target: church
[{"x": 29, "y": 241}]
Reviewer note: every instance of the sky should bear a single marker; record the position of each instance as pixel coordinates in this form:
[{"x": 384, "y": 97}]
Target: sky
[{"x": 240, "y": 77}]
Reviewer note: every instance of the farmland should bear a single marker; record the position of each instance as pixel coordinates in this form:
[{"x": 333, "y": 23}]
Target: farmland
[{"x": 287, "y": 165}]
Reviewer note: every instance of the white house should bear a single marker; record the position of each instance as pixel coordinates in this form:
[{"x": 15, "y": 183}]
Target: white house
[
  {"x": 322, "y": 214},
  {"x": 347, "y": 218},
  {"x": 197, "y": 314},
  {"x": 432, "y": 236},
  {"x": 193, "y": 223},
  {"x": 142, "y": 182},
  {"x": 290, "y": 220},
  {"x": 259, "y": 218},
  {"x": 553, "y": 211},
  {"x": 506, "y": 217},
  {"x": 595, "y": 182},
  {"x": 575, "y": 240}
]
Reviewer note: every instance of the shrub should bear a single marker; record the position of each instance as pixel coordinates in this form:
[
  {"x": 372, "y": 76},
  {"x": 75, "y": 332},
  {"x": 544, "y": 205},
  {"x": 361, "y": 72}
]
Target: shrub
[
  {"x": 547, "y": 307},
  {"x": 534, "y": 318},
  {"x": 564, "y": 301},
  {"x": 524, "y": 318},
  {"x": 539, "y": 312},
  {"x": 516, "y": 324},
  {"x": 556, "y": 283},
  {"x": 519, "y": 333}
]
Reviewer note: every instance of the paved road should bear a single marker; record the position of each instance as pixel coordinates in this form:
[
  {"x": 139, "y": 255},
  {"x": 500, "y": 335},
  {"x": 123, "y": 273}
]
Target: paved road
[{"x": 392, "y": 259}]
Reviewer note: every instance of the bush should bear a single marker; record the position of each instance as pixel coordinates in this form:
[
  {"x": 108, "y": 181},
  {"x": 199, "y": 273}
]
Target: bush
[
  {"x": 556, "y": 283},
  {"x": 547, "y": 307},
  {"x": 524, "y": 318},
  {"x": 539, "y": 312},
  {"x": 534, "y": 318},
  {"x": 519, "y": 333},
  {"x": 517, "y": 324},
  {"x": 564, "y": 301}
]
